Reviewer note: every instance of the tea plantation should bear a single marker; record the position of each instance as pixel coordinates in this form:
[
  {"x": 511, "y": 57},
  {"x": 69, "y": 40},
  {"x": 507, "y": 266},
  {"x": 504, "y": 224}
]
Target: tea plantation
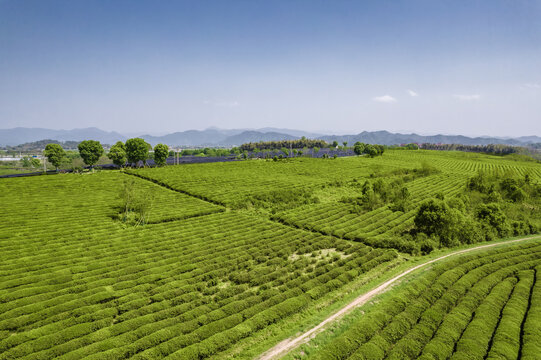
[
  {"x": 203, "y": 260},
  {"x": 485, "y": 305}
]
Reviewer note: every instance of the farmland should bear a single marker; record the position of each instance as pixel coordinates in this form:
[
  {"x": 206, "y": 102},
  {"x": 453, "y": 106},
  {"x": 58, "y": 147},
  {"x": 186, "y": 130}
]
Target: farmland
[
  {"x": 226, "y": 251},
  {"x": 321, "y": 195},
  {"x": 477, "y": 306}
]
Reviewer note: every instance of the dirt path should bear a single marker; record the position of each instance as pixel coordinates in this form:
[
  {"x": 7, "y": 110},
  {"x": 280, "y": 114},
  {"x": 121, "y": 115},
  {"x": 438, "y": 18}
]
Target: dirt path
[{"x": 287, "y": 345}]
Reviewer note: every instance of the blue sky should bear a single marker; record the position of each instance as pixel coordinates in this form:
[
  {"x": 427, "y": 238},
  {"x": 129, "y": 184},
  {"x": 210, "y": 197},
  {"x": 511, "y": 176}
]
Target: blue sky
[{"x": 454, "y": 67}]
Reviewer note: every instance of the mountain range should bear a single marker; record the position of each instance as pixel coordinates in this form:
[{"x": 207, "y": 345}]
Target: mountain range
[
  {"x": 233, "y": 137},
  {"x": 20, "y": 135}
]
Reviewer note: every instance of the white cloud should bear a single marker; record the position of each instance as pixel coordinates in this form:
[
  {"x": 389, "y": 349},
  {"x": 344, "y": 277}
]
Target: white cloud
[
  {"x": 412, "y": 93},
  {"x": 533, "y": 85},
  {"x": 472, "y": 97},
  {"x": 384, "y": 99}
]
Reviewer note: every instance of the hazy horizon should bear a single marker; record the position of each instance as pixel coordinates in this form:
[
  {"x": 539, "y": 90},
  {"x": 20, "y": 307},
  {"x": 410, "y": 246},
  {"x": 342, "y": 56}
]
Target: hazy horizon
[
  {"x": 342, "y": 67},
  {"x": 130, "y": 133}
]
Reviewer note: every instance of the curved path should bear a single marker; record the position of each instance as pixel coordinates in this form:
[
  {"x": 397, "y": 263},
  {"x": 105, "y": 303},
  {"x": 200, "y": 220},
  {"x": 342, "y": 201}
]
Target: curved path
[{"x": 287, "y": 345}]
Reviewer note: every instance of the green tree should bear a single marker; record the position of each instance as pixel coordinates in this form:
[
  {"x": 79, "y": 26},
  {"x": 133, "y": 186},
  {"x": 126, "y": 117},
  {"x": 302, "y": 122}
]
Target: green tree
[
  {"x": 54, "y": 153},
  {"x": 117, "y": 153},
  {"x": 358, "y": 148},
  {"x": 160, "y": 154},
  {"x": 371, "y": 151},
  {"x": 432, "y": 218},
  {"x": 35, "y": 162},
  {"x": 137, "y": 150},
  {"x": 412, "y": 146},
  {"x": 345, "y": 143},
  {"x": 493, "y": 215},
  {"x": 136, "y": 203},
  {"x": 90, "y": 151},
  {"x": 334, "y": 143}
]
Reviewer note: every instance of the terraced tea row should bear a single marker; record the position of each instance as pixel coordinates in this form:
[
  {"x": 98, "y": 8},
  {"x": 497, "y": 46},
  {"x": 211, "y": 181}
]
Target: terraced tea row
[
  {"x": 87, "y": 199},
  {"x": 232, "y": 183},
  {"x": 184, "y": 289},
  {"x": 310, "y": 193},
  {"x": 479, "y": 306},
  {"x": 341, "y": 220},
  {"x": 212, "y": 267}
]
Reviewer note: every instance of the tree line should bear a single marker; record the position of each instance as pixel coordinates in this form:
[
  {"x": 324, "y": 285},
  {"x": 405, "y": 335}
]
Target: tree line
[
  {"x": 371, "y": 150},
  {"x": 288, "y": 144},
  {"x": 137, "y": 150},
  {"x": 497, "y": 149},
  {"x": 359, "y": 148},
  {"x": 132, "y": 152}
]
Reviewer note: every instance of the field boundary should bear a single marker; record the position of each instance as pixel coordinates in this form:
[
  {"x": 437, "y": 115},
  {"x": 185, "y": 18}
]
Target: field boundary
[
  {"x": 289, "y": 344},
  {"x": 161, "y": 183}
]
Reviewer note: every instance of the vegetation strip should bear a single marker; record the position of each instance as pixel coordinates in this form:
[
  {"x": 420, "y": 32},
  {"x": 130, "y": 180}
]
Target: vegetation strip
[
  {"x": 289, "y": 344},
  {"x": 523, "y": 322}
]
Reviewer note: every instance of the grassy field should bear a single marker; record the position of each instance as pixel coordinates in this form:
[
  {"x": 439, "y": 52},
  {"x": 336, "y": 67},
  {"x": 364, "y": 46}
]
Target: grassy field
[{"x": 231, "y": 258}]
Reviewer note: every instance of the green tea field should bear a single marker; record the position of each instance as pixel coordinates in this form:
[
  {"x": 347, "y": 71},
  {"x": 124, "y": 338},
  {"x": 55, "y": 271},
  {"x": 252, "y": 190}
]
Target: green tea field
[
  {"x": 225, "y": 260},
  {"x": 485, "y": 305}
]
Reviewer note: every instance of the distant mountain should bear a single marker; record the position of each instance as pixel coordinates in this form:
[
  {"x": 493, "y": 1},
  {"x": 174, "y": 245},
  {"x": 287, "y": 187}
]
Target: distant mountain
[
  {"x": 21, "y": 135},
  {"x": 188, "y": 138},
  {"x": 216, "y": 137},
  {"x": 230, "y": 137},
  {"x": 256, "y": 136},
  {"x": 297, "y": 133},
  {"x": 40, "y": 145},
  {"x": 387, "y": 138},
  {"x": 530, "y": 139}
]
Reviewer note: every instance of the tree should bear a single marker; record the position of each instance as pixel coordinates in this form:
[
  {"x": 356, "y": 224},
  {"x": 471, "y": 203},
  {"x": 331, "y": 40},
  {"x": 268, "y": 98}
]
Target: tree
[
  {"x": 493, "y": 215},
  {"x": 370, "y": 150},
  {"x": 26, "y": 162},
  {"x": 136, "y": 203},
  {"x": 160, "y": 154},
  {"x": 90, "y": 151},
  {"x": 334, "y": 143},
  {"x": 137, "y": 150},
  {"x": 432, "y": 217},
  {"x": 345, "y": 143},
  {"x": 117, "y": 153},
  {"x": 54, "y": 153},
  {"x": 412, "y": 146},
  {"x": 35, "y": 162},
  {"x": 358, "y": 148}
]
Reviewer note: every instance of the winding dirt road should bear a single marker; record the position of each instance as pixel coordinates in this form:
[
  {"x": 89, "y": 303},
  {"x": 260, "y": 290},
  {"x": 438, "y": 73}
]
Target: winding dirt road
[{"x": 287, "y": 345}]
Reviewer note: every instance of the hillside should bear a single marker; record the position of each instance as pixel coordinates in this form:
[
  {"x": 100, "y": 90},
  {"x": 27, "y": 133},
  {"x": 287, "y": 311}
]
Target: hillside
[{"x": 225, "y": 260}]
